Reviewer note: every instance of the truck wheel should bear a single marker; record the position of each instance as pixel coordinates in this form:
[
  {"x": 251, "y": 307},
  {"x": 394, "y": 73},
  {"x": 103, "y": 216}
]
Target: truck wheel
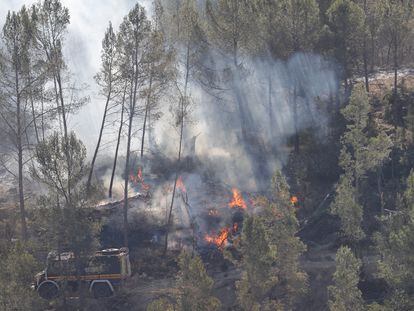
[
  {"x": 48, "y": 290},
  {"x": 102, "y": 290}
]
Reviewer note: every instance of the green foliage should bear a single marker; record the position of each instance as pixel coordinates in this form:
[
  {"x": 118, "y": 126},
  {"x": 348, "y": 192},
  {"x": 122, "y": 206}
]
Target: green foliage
[
  {"x": 52, "y": 20},
  {"x": 346, "y": 21},
  {"x": 281, "y": 226},
  {"x": 364, "y": 152},
  {"x": 344, "y": 295},
  {"x": 193, "y": 288},
  {"x": 17, "y": 269},
  {"x": 194, "y": 285},
  {"x": 259, "y": 275},
  {"x": 64, "y": 213},
  {"x": 272, "y": 276},
  {"x": 161, "y": 304},
  {"x": 301, "y": 24},
  {"x": 61, "y": 165},
  {"x": 360, "y": 154},
  {"x": 348, "y": 209},
  {"x": 230, "y": 27},
  {"x": 395, "y": 245}
]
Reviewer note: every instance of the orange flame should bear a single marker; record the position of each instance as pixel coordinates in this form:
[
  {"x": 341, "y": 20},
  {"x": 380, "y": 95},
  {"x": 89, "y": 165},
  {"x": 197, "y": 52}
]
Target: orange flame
[
  {"x": 180, "y": 185},
  {"x": 219, "y": 240},
  {"x": 294, "y": 200},
  {"x": 213, "y": 212},
  {"x": 237, "y": 200},
  {"x": 235, "y": 227},
  {"x": 139, "y": 179}
]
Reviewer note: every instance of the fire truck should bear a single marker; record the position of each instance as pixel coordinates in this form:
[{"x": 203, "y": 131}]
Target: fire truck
[{"x": 102, "y": 273}]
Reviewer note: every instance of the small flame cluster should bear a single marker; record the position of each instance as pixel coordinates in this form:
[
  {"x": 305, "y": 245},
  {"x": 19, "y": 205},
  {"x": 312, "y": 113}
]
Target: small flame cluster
[
  {"x": 237, "y": 200},
  {"x": 294, "y": 201},
  {"x": 138, "y": 179},
  {"x": 221, "y": 239},
  {"x": 213, "y": 212},
  {"x": 180, "y": 185}
]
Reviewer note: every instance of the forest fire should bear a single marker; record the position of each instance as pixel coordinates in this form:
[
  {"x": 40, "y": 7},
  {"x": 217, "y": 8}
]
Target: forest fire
[
  {"x": 237, "y": 200},
  {"x": 180, "y": 185},
  {"x": 219, "y": 240},
  {"x": 294, "y": 200},
  {"x": 138, "y": 179},
  {"x": 213, "y": 212}
]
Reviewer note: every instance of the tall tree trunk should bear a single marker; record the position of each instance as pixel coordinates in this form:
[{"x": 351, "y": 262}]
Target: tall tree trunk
[
  {"x": 33, "y": 109},
  {"x": 131, "y": 118},
  {"x": 365, "y": 50},
  {"x": 65, "y": 131},
  {"x": 117, "y": 144},
  {"x": 62, "y": 103},
  {"x": 379, "y": 188},
  {"x": 43, "y": 118},
  {"x": 366, "y": 66},
  {"x": 395, "y": 65},
  {"x": 20, "y": 158},
  {"x": 147, "y": 109},
  {"x": 176, "y": 177},
  {"x": 182, "y": 110},
  {"x": 295, "y": 119},
  {"x": 108, "y": 98},
  {"x": 126, "y": 177},
  {"x": 270, "y": 105},
  {"x": 20, "y": 177}
]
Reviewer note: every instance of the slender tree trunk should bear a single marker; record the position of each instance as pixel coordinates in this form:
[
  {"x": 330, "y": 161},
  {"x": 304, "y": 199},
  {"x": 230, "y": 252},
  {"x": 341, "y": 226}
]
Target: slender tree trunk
[
  {"x": 374, "y": 59},
  {"x": 131, "y": 118},
  {"x": 108, "y": 98},
  {"x": 33, "y": 109},
  {"x": 147, "y": 109},
  {"x": 295, "y": 119},
  {"x": 379, "y": 188},
  {"x": 126, "y": 177},
  {"x": 395, "y": 65},
  {"x": 43, "y": 118},
  {"x": 182, "y": 111},
  {"x": 365, "y": 51},
  {"x": 270, "y": 104},
  {"x": 65, "y": 131},
  {"x": 20, "y": 177},
  {"x": 57, "y": 102},
  {"x": 366, "y": 66},
  {"x": 117, "y": 144},
  {"x": 62, "y": 103},
  {"x": 20, "y": 158},
  {"x": 175, "y": 179}
]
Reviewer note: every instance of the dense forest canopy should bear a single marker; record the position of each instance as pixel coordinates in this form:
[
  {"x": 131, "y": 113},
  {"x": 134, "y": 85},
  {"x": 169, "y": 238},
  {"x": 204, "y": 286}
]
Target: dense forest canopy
[{"x": 264, "y": 147}]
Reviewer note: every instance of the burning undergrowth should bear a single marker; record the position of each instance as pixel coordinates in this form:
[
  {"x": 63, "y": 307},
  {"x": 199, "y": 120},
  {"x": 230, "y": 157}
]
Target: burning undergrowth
[{"x": 206, "y": 214}]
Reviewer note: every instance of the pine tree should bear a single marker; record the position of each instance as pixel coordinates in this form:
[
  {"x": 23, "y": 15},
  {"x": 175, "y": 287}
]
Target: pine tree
[
  {"x": 17, "y": 268},
  {"x": 281, "y": 226},
  {"x": 188, "y": 46},
  {"x": 346, "y": 21},
  {"x": 259, "y": 275},
  {"x": 360, "y": 154},
  {"x": 394, "y": 244},
  {"x": 106, "y": 79},
  {"x": 344, "y": 295},
  {"x": 52, "y": 20},
  {"x": 193, "y": 288},
  {"x": 64, "y": 215},
  {"x": 14, "y": 60},
  {"x": 194, "y": 285},
  {"x": 396, "y": 26},
  {"x": 132, "y": 43}
]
